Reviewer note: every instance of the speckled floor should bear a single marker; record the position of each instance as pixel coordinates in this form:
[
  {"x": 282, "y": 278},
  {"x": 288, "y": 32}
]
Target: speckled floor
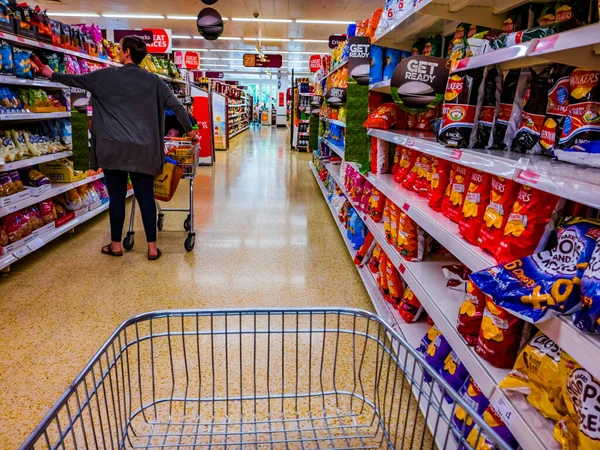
[{"x": 264, "y": 238}]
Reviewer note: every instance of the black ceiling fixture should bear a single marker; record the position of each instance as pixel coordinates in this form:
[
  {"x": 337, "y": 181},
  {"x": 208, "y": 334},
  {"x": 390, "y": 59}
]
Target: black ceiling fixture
[
  {"x": 209, "y": 24},
  {"x": 209, "y": 2}
]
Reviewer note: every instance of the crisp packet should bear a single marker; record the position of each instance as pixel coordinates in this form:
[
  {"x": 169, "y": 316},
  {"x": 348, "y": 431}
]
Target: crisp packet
[
  {"x": 473, "y": 396},
  {"x": 478, "y": 439},
  {"x": 476, "y": 200},
  {"x": 409, "y": 307},
  {"x": 437, "y": 351},
  {"x": 470, "y": 314},
  {"x": 454, "y": 372},
  {"x": 410, "y": 238},
  {"x": 543, "y": 285},
  {"x": 453, "y": 203},
  {"x": 588, "y": 317},
  {"x": 440, "y": 170}
]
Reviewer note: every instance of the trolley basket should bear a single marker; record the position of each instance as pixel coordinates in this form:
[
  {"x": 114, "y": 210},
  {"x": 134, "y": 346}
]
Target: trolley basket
[{"x": 257, "y": 379}]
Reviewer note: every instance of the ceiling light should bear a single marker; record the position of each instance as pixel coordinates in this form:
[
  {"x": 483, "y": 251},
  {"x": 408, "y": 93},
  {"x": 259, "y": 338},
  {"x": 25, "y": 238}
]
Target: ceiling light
[
  {"x": 193, "y": 49},
  {"x": 267, "y": 39},
  {"x": 252, "y": 19},
  {"x": 330, "y": 22},
  {"x": 229, "y": 50},
  {"x": 133, "y": 16},
  {"x": 209, "y": 59},
  {"x": 307, "y": 53},
  {"x": 317, "y": 41},
  {"x": 213, "y": 65},
  {"x": 269, "y": 52},
  {"x": 181, "y": 37},
  {"x": 75, "y": 14},
  {"x": 230, "y": 59},
  {"x": 187, "y": 17},
  {"x": 222, "y": 38}
]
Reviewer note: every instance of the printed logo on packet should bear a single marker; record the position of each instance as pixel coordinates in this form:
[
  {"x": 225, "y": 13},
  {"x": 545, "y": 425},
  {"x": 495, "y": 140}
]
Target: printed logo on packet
[
  {"x": 455, "y": 87},
  {"x": 584, "y": 391}
]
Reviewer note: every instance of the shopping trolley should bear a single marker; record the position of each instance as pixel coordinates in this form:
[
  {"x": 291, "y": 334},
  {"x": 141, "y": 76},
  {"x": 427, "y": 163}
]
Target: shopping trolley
[
  {"x": 185, "y": 152},
  {"x": 256, "y": 379}
]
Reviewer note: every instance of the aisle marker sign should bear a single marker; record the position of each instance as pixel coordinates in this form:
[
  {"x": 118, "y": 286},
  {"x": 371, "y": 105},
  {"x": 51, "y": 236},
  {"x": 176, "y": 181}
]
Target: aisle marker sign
[
  {"x": 335, "y": 39},
  {"x": 255, "y": 60},
  {"x": 315, "y": 63}
]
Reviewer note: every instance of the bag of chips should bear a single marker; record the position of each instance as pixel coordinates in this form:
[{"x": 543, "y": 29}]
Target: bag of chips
[
  {"x": 454, "y": 372},
  {"x": 507, "y": 98},
  {"x": 470, "y": 314},
  {"x": 411, "y": 176},
  {"x": 477, "y": 438},
  {"x": 409, "y": 307},
  {"x": 395, "y": 284},
  {"x": 392, "y": 237},
  {"x": 386, "y": 219},
  {"x": 364, "y": 249},
  {"x": 588, "y": 317},
  {"x": 476, "y": 200},
  {"x": 385, "y": 117},
  {"x": 545, "y": 284},
  {"x": 437, "y": 351},
  {"x": 406, "y": 162},
  {"x": 453, "y": 203},
  {"x": 440, "y": 177},
  {"x": 376, "y": 205},
  {"x": 390, "y": 60},
  {"x": 374, "y": 259},
  {"x": 382, "y": 277},
  {"x": 410, "y": 238},
  {"x": 47, "y": 211},
  {"x": 422, "y": 180},
  {"x": 380, "y": 153},
  {"x": 527, "y": 222},
  {"x": 487, "y": 110},
  {"x": 472, "y": 395},
  {"x": 376, "y": 71},
  {"x": 536, "y": 374},
  {"x": 6, "y": 58},
  {"x": 557, "y": 107},
  {"x": 503, "y": 193},
  {"x": 427, "y": 339}
]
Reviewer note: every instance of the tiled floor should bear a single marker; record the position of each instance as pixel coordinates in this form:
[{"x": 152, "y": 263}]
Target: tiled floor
[{"x": 265, "y": 237}]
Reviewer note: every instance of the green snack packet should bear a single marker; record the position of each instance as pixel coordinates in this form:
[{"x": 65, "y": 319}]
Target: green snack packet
[
  {"x": 508, "y": 40},
  {"x": 418, "y": 47},
  {"x": 433, "y": 46}
]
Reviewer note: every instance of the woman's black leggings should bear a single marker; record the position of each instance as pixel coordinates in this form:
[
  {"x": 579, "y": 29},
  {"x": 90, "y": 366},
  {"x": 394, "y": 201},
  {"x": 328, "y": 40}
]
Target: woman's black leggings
[{"x": 143, "y": 187}]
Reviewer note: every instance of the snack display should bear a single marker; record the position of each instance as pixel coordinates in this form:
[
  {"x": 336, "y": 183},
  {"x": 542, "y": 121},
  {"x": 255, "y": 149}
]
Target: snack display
[
  {"x": 455, "y": 195},
  {"x": 476, "y": 201},
  {"x": 475, "y": 398},
  {"x": 470, "y": 314},
  {"x": 409, "y": 307}
]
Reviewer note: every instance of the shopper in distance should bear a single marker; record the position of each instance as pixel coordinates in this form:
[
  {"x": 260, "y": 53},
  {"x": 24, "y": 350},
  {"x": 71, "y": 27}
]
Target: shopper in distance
[{"x": 128, "y": 122}]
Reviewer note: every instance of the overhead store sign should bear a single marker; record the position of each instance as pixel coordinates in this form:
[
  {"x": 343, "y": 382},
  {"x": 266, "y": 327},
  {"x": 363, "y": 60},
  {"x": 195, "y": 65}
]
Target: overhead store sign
[
  {"x": 187, "y": 60},
  {"x": 335, "y": 39},
  {"x": 255, "y": 60},
  {"x": 419, "y": 82},
  {"x": 315, "y": 63},
  {"x": 218, "y": 75},
  {"x": 158, "y": 40},
  {"x": 359, "y": 61},
  {"x": 146, "y": 35}
]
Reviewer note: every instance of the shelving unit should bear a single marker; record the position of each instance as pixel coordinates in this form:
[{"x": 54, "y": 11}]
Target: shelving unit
[
  {"x": 33, "y": 161},
  {"x": 339, "y": 151},
  {"x": 333, "y": 121},
  {"x": 339, "y": 66},
  {"x": 6, "y": 79},
  {"x": 35, "y": 116}
]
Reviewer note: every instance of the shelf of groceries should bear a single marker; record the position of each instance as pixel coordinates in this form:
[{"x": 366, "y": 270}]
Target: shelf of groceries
[
  {"x": 335, "y": 69},
  {"x": 337, "y": 150},
  {"x": 235, "y": 133},
  {"x": 35, "y": 116},
  {"x": 33, "y": 161},
  {"x": 333, "y": 121},
  {"x": 48, "y": 233}
]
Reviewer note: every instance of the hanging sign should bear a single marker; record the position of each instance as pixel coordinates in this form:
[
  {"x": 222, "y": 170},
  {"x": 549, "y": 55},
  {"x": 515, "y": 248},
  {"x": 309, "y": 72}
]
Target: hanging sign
[
  {"x": 335, "y": 39},
  {"x": 255, "y": 60},
  {"x": 315, "y": 63},
  {"x": 359, "y": 62},
  {"x": 187, "y": 60},
  {"x": 161, "y": 40},
  {"x": 419, "y": 82},
  {"x": 146, "y": 35},
  {"x": 336, "y": 96},
  {"x": 218, "y": 75}
]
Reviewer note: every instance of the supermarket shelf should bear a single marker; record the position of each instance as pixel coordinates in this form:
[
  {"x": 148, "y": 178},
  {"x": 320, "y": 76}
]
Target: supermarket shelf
[
  {"x": 303, "y": 121},
  {"x": 339, "y": 151},
  {"x": 342, "y": 64},
  {"x": 56, "y": 189},
  {"x": 335, "y": 122},
  {"x": 560, "y": 178},
  {"x": 5, "y": 79},
  {"x": 171, "y": 80},
  {"x": 238, "y": 132},
  {"x": 35, "y": 116},
  {"x": 44, "y": 239},
  {"x": 381, "y": 86},
  {"x": 569, "y": 47},
  {"x": 306, "y": 94},
  {"x": 33, "y": 161},
  {"x": 303, "y": 133},
  {"x": 236, "y": 106},
  {"x": 36, "y": 44}
]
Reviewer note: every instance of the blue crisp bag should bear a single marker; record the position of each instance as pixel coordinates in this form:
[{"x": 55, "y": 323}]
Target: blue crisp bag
[
  {"x": 390, "y": 61},
  {"x": 6, "y": 58},
  {"x": 376, "y": 72},
  {"x": 588, "y": 317},
  {"x": 546, "y": 284},
  {"x": 454, "y": 372}
]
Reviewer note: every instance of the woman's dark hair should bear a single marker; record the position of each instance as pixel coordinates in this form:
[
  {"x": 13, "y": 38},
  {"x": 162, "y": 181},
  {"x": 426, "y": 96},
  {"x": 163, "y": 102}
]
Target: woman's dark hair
[{"x": 136, "y": 47}]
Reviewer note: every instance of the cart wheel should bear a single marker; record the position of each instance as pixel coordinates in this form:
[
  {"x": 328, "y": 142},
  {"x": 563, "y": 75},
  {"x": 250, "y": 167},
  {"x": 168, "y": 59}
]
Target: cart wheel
[
  {"x": 161, "y": 222},
  {"x": 189, "y": 243},
  {"x": 128, "y": 241},
  {"x": 187, "y": 224}
]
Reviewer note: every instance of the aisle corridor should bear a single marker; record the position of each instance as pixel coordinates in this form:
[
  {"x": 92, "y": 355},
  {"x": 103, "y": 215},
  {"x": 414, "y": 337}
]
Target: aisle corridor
[{"x": 265, "y": 237}]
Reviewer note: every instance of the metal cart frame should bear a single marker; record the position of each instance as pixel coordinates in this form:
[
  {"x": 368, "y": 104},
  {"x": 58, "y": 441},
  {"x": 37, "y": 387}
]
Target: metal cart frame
[
  {"x": 257, "y": 379},
  {"x": 189, "y": 167}
]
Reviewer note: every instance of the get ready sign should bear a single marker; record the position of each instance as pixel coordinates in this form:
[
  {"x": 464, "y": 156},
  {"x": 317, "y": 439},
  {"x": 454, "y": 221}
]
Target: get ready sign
[{"x": 187, "y": 60}]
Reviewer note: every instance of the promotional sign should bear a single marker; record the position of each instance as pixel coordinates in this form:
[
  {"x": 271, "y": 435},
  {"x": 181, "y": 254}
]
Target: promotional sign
[
  {"x": 419, "y": 82},
  {"x": 146, "y": 35},
  {"x": 315, "y": 63},
  {"x": 161, "y": 40},
  {"x": 359, "y": 62},
  {"x": 219, "y": 117},
  {"x": 336, "y": 96},
  {"x": 219, "y": 75},
  {"x": 281, "y": 99},
  {"x": 232, "y": 82},
  {"x": 335, "y": 39},
  {"x": 254, "y": 60},
  {"x": 200, "y": 111},
  {"x": 187, "y": 60}
]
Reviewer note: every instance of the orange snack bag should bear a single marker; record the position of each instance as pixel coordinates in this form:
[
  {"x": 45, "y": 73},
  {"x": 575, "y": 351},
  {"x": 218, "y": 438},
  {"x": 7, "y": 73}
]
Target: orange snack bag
[
  {"x": 364, "y": 248},
  {"x": 374, "y": 259},
  {"x": 410, "y": 242},
  {"x": 470, "y": 314},
  {"x": 406, "y": 162},
  {"x": 453, "y": 203},
  {"x": 409, "y": 307},
  {"x": 422, "y": 181},
  {"x": 395, "y": 284},
  {"x": 476, "y": 200},
  {"x": 413, "y": 175},
  {"x": 392, "y": 238},
  {"x": 382, "y": 278},
  {"x": 386, "y": 217},
  {"x": 526, "y": 224},
  {"x": 440, "y": 177},
  {"x": 376, "y": 205},
  {"x": 503, "y": 193}
]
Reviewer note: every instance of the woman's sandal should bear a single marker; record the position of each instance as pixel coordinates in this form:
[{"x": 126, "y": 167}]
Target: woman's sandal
[
  {"x": 107, "y": 250},
  {"x": 154, "y": 258}
]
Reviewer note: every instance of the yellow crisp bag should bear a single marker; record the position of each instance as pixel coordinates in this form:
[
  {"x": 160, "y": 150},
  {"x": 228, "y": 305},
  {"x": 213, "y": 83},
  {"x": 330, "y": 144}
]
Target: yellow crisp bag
[
  {"x": 536, "y": 374},
  {"x": 581, "y": 393}
]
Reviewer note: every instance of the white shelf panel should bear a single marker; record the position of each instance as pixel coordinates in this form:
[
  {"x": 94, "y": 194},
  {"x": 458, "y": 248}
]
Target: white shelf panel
[
  {"x": 5, "y": 79},
  {"x": 335, "y": 122},
  {"x": 33, "y": 161},
  {"x": 56, "y": 189},
  {"x": 336, "y": 149},
  {"x": 35, "y": 116}
]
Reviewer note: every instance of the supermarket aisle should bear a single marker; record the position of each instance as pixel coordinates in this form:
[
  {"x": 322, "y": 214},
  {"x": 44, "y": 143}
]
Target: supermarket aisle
[{"x": 264, "y": 238}]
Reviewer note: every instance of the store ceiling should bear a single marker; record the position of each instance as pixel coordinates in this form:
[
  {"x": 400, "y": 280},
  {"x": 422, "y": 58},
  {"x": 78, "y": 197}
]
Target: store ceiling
[{"x": 229, "y": 54}]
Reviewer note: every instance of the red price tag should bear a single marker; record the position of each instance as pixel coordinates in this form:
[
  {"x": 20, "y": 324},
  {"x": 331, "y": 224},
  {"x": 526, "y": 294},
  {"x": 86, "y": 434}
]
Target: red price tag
[
  {"x": 402, "y": 268},
  {"x": 405, "y": 207},
  {"x": 528, "y": 176},
  {"x": 456, "y": 154},
  {"x": 545, "y": 44},
  {"x": 462, "y": 64},
  {"x": 20, "y": 39}
]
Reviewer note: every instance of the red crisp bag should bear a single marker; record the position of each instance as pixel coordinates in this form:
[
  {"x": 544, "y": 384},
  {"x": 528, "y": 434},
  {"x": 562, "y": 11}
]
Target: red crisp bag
[
  {"x": 440, "y": 177},
  {"x": 382, "y": 278},
  {"x": 376, "y": 205},
  {"x": 395, "y": 284},
  {"x": 453, "y": 203},
  {"x": 379, "y": 155},
  {"x": 385, "y": 117},
  {"x": 392, "y": 237},
  {"x": 476, "y": 200},
  {"x": 407, "y": 160},
  {"x": 411, "y": 240},
  {"x": 470, "y": 314},
  {"x": 374, "y": 259},
  {"x": 413, "y": 174},
  {"x": 410, "y": 307},
  {"x": 499, "y": 337},
  {"x": 396, "y": 159},
  {"x": 364, "y": 249},
  {"x": 526, "y": 224},
  {"x": 418, "y": 180},
  {"x": 503, "y": 193}
]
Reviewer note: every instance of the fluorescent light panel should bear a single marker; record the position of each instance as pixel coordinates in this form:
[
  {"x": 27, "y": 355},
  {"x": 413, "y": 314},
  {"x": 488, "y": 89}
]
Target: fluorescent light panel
[
  {"x": 133, "y": 16},
  {"x": 176, "y": 36},
  {"x": 222, "y": 38},
  {"x": 252, "y": 19},
  {"x": 330, "y": 22},
  {"x": 75, "y": 14},
  {"x": 316, "y": 41},
  {"x": 176, "y": 17},
  {"x": 266, "y": 39}
]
